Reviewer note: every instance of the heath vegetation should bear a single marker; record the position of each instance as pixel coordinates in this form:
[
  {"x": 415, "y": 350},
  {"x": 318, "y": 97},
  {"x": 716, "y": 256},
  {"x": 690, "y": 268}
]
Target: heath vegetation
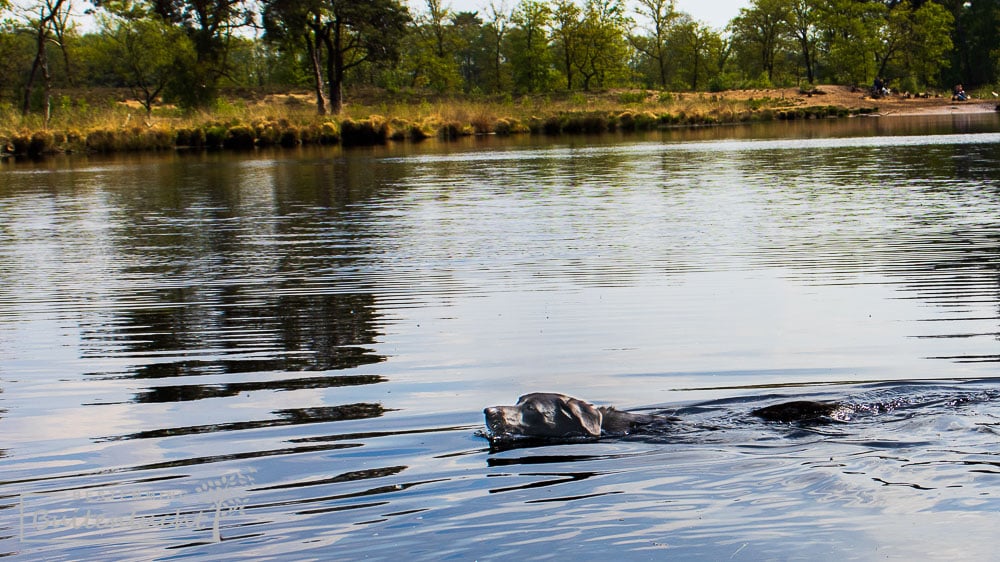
[{"x": 144, "y": 74}]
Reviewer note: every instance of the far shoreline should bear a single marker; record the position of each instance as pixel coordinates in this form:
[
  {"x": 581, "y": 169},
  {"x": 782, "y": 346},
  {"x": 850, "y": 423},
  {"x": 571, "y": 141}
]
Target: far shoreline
[{"x": 288, "y": 120}]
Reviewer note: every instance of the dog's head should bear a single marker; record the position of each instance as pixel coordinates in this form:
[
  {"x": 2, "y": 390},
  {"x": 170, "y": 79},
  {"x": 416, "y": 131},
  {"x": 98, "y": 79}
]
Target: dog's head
[{"x": 544, "y": 415}]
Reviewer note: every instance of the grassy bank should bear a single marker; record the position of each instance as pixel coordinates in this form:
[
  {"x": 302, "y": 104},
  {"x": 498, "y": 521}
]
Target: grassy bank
[{"x": 107, "y": 124}]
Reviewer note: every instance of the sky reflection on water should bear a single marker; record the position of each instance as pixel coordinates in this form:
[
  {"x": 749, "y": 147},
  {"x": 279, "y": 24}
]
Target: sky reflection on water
[{"x": 307, "y": 339}]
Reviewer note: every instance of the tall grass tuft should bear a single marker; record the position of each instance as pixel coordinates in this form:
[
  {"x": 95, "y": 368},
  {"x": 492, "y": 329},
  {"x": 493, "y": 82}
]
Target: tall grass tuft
[
  {"x": 240, "y": 137},
  {"x": 290, "y": 137},
  {"x": 329, "y": 133},
  {"x": 371, "y": 131}
]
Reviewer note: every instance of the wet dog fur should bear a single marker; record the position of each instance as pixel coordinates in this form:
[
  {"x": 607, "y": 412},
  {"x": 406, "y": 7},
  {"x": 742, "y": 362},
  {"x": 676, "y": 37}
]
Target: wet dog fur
[
  {"x": 545, "y": 415},
  {"x": 551, "y": 415}
]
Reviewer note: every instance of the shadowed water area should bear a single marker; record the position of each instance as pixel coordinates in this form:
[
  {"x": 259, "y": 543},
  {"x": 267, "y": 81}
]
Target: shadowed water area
[{"x": 286, "y": 354}]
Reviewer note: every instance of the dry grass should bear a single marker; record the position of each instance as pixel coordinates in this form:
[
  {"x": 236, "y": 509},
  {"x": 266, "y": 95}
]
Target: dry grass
[{"x": 291, "y": 119}]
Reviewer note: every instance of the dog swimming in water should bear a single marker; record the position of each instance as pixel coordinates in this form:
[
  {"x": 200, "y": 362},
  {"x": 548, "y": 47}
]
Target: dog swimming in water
[
  {"x": 551, "y": 415},
  {"x": 544, "y": 415}
]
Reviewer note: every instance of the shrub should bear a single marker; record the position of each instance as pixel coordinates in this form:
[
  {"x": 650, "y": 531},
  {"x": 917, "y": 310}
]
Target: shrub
[
  {"x": 102, "y": 140},
  {"x": 503, "y": 127},
  {"x": 646, "y": 121},
  {"x": 483, "y": 124},
  {"x": 157, "y": 138},
  {"x": 417, "y": 132},
  {"x": 290, "y": 137},
  {"x": 552, "y": 125},
  {"x": 329, "y": 133},
  {"x": 240, "y": 137},
  {"x": 20, "y": 142},
  {"x": 632, "y": 97},
  {"x": 268, "y": 133},
  {"x": 309, "y": 134},
  {"x": 597, "y": 122},
  {"x": 371, "y": 131},
  {"x": 215, "y": 135},
  {"x": 193, "y": 137},
  {"x": 626, "y": 121},
  {"x": 450, "y": 130}
]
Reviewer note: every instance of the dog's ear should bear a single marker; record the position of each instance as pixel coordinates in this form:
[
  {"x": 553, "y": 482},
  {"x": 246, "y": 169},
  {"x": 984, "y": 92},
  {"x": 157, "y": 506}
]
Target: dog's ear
[{"x": 587, "y": 415}]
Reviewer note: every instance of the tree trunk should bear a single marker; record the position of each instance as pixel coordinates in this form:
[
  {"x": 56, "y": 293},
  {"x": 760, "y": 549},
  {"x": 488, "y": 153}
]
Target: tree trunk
[
  {"x": 696, "y": 63},
  {"x": 808, "y": 61},
  {"x": 317, "y": 74},
  {"x": 661, "y": 58},
  {"x": 335, "y": 69},
  {"x": 40, "y": 56},
  {"x": 569, "y": 65},
  {"x": 47, "y": 77},
  {"x": 26, "y": 108}
]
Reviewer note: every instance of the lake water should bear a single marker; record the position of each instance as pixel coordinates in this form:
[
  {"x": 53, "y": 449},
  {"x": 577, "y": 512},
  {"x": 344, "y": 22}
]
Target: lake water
[{"x": 285, "y": 355}]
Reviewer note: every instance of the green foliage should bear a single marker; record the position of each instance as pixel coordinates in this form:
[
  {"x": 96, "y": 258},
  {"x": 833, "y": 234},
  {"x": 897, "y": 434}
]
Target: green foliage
[
  {"x": 761, "y": 33},
  {"x": 329, "y": 133},
  {"x": 632, "y": 97},
  {"x": 602, "y": 59},
  {"x": 527, "y": 47},
  {"x": 929, "y": 43},
  {"x": 145, "y": 54},
  {"x": 240, "y": 137},
  {"x": 185, "y": 51}
]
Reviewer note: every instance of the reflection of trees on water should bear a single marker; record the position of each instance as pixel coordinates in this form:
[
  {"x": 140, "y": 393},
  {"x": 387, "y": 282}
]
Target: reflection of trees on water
[
  {"x": 184, "y": 393},
  {"x": 927, "y": 216},
  {"x": 294, "y": 416},
  {"x": 230, "y": 268},
  {"x": 315, "y": 333}
]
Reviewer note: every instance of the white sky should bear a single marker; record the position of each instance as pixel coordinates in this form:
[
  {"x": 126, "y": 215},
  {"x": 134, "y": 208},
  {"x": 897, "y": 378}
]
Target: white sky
[{"x": 716, "y": 13}]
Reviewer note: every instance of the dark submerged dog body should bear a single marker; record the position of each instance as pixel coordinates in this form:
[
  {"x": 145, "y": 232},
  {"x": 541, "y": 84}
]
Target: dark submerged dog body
[
  {"x": 797, "y": 411},
  {"x": 557, "y": 416}
]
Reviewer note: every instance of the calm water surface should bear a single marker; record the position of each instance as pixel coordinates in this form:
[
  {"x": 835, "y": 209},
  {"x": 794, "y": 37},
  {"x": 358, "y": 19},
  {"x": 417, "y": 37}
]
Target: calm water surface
[{"x": 286, "y": 354}]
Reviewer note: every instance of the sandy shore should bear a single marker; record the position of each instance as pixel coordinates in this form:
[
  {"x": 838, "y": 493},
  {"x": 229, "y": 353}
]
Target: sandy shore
[{"x": 842, "y": 96}]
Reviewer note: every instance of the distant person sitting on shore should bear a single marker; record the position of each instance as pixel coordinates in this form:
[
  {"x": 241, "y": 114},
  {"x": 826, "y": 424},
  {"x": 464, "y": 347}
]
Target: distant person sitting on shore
[
  {"x": 878, "y": 87},
  {"x": 959, "y": 94}
]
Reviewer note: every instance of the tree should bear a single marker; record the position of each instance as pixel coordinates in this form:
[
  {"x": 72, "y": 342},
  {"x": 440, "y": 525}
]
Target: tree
[
  {"x": 293, "y": 24},
  {"x": 432, "y": 49},
  {"x": 209, "y": 24},
  {"x": 355, "y": 33},
  {"x": 351, "y": 33},
  {"x": 566, "y": 37},
  {"x": 930, "y": 42},
  {"x": 761, "y": 29},
  {"x": 849, "y": 31},
  {"x": 660, "y": 16},
  {"x": 47, "y": 27},
  {"x": 528, "y": 46},
  {"x": 694, "y": 43},
  {"x": 604, "y": 52},
  {"x": 144, "y": 52},
  {"x": 916, "y": 36},
  {"x": 17, "y": 51},
  {"x": 472, "y": 49},
  {"x": 495, "y": 31},
  {"x": 803, "y": 22}
]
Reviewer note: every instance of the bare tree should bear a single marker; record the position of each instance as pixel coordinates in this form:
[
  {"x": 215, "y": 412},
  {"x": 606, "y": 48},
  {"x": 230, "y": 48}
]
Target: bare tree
[{"x": 47, "y": 21}]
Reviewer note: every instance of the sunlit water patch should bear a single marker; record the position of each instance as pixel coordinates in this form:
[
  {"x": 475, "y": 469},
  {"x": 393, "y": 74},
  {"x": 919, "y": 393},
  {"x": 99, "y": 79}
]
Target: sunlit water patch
[{"x": 287, "y": 354}]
